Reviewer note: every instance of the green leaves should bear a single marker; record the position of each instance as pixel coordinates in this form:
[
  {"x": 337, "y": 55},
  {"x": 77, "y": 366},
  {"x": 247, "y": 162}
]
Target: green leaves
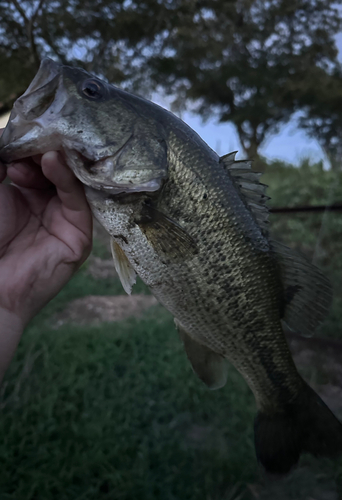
[
  {"x": 249, "y": 62},
  {"x": 316, "y": 235}
]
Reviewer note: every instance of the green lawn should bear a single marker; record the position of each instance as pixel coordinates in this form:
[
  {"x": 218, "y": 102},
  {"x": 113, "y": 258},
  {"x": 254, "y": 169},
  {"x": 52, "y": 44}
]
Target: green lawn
[{"x": 115, "y": 412}]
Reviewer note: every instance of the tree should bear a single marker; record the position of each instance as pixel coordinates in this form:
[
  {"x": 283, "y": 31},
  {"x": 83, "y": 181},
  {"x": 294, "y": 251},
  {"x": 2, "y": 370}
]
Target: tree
[
  {"x": 248, "y": 61},
  {"x": 110, "y": 38},
  {"x": 322, "y": 115},
  {"x": 245, "y": 61}
]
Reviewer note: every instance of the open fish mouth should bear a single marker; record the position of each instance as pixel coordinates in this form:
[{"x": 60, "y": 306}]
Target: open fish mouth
[
  {"x": 58, "y": 112},
  {"x": 23, "y": 134}
]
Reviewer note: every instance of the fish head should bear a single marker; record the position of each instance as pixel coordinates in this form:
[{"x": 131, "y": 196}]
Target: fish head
[{"x": 100, "y": 130}]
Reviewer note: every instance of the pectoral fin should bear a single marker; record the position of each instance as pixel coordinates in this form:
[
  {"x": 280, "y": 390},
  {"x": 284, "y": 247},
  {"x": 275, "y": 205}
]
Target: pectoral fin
[
  {"x": 167, "y": 237},
  {"x": 123, "y": 267},
  {"x": 209, "y": 366}
]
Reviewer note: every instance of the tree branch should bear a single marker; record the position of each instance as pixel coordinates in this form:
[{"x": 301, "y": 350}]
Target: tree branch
[
  {"x": 21, "y": 11},
  {"x": 241, "y": 135},
  {"x": 29, "y": 25},
  {"x": 37, "y": 10}
]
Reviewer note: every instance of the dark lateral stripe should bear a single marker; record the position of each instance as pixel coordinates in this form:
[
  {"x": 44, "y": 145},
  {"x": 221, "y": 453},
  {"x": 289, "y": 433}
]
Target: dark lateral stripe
[{"x": 308, "y": 208}]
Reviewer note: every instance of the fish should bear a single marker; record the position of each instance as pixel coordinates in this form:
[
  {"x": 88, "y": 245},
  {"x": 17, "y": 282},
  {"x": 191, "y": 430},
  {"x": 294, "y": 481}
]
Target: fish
[{"x": 194, "y": 227}]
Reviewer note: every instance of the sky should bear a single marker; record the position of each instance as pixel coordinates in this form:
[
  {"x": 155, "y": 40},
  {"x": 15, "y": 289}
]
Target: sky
[{"x": 291, "y": 144}]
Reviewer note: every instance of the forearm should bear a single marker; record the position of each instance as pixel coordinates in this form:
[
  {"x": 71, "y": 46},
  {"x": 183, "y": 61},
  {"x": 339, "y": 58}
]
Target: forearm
[{"x": 11, "y": 329}]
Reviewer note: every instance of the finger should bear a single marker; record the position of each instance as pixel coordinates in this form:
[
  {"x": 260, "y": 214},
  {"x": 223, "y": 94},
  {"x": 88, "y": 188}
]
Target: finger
[
  {"x": 70, "y": 191},
  {"x": 27, "y": 174}
]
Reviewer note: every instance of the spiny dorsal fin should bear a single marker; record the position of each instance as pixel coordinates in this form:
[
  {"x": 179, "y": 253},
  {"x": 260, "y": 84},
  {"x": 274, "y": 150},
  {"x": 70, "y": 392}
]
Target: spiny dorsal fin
[
  {"x": 247, "y": 182},
  {"x": 123, "y": 267},
  {"x": 307, "y": 292}
]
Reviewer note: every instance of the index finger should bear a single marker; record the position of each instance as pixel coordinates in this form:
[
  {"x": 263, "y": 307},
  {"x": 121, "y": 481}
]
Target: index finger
[{"x": 70, "y": 191}]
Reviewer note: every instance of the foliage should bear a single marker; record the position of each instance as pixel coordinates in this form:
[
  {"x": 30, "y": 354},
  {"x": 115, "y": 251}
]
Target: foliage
[
  {"x": 316, "y": 235},
  {"x": 322, "y": 115},
  {"x": 247, "y": 61},
  {"x": 106, "y": 37}
]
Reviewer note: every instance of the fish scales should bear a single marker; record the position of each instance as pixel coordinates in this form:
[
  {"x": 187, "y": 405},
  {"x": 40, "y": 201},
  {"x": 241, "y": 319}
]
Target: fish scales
[
  {"x": 192, "y": 226},
  {"x": 233, "y": 304},
  {"x": 225, "y": 320}
]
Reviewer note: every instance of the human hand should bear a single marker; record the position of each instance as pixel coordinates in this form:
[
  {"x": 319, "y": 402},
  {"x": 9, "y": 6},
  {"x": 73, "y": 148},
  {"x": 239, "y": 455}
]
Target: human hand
[{"x": 45, "y": 235}]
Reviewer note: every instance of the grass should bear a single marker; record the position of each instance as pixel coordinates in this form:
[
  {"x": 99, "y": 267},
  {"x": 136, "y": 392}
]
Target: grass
[
  {"x": 115, "y": 412},
  {"x": 316, "y": 235}
]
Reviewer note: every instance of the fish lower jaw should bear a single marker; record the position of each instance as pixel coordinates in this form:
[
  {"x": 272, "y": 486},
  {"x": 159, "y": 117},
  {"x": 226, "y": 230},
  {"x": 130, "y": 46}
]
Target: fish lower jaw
[
  {"x": 104, "y": 190},
  {"x": 88, "y": 171},
  {"x": 116, "y": 189}
]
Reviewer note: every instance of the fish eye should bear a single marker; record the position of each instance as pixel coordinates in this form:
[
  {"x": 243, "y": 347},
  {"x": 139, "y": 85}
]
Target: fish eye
[{"x": 92, "y": 89}]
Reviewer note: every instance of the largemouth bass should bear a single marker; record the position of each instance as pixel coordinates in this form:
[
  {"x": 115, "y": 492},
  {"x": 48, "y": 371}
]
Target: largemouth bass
[{"x": 193, "y": 226}]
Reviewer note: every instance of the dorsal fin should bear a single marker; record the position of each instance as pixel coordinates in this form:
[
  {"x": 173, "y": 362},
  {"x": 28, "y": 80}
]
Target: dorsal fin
[
  {"x": 307, "y": 292},
  {"x": 247, "y": 182}
]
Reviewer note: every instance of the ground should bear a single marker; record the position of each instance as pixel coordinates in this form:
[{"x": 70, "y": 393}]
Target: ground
[{"x": 96, "y": 309}]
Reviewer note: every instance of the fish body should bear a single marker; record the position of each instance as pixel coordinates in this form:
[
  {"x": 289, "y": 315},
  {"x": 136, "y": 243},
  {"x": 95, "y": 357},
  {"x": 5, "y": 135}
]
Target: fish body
[
  {"x": 193, "y": 226},
  {"x": 224, "y": 286}
]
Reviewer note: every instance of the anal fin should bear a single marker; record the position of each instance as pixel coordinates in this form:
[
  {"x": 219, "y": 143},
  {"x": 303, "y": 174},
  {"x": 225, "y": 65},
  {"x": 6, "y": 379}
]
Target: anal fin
[{"x": 209, "y": 366}]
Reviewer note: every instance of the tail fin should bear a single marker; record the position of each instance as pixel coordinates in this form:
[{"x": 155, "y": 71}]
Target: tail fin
[{"x": 306, "y": 425}]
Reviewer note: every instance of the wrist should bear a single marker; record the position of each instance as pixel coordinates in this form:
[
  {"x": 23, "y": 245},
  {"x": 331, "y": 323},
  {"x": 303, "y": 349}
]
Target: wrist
[{"x": 11, "y": 329}]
